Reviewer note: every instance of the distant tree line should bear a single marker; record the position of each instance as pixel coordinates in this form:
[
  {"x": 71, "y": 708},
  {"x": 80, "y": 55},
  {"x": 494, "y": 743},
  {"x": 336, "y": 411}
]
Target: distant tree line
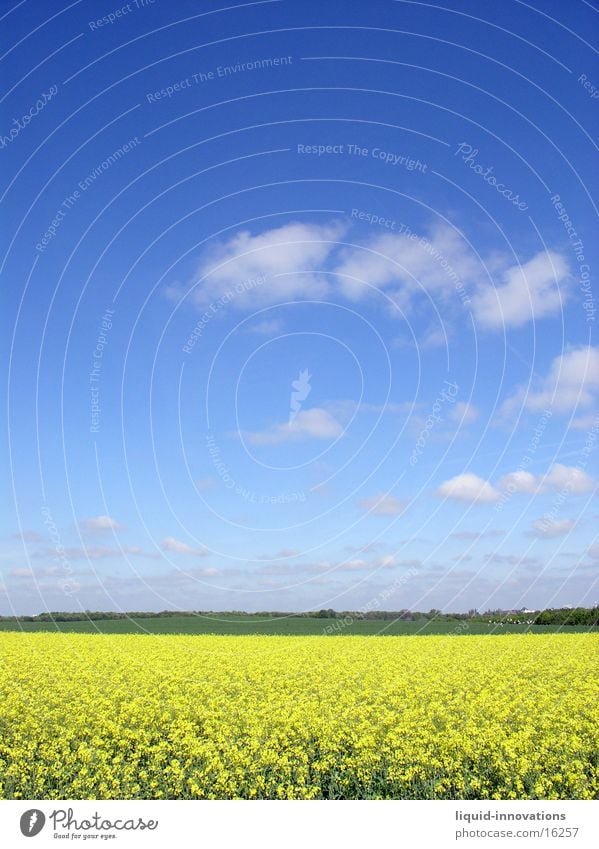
[{"x": 580, "y": 616}]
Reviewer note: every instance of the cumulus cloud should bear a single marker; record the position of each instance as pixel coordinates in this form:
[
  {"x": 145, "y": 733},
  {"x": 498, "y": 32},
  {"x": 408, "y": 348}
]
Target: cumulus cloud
[
  {"x": 382, "y": 505},
  {"x": 268, "y": 327},
  {"x": 552, "y": 527},
  {"x": 281, "y": 264},
  {"x": 404, "y": 266},
  {"x": 526, "y": 292},
  {"x": 99, "y": 525},
  {"x": 314, "y": 423},
  {"x": 441, "y": 263},
  {"x": 572, "y": 382},
  {"x": 469, "y": 488},
  {"x": 291, "y": 261},
  {"x": 179, "y": 547},
  {"x": 559, "y": 477},
  {"x": 570, "y": 478},
  {"x": 463, "y": 412},
  {"x": 519, "y": 481}
]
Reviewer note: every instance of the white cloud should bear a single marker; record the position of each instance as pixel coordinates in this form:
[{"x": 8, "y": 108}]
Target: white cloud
[
  {"x": 528, "y": 292},
  {"x": 290, "y": 258},
  {"x": 571, "y": 382},
  {"x": 558, "y": 478},
  {"x": 268, "y": 327},
  {"x": 403, "y": 266},
  {"x": 568, "y": 478},
  {"x": 519, "y": 481},
  {"x": 469, "y": 488},
  {"x": 442, "y": 263},
  {"x": 552, "y": 527},
  {"x": 315, "y": 423},
  {"x": 589, "y": 421},
  {"x": 382, "y": 505},
  {"x": 291, "y": 261},
  {"x": 172, "y": 544},
  {"x": 99, "y": 524},
  {"x": 206, "y": 484},
  {"x": 463, "y": 412}
]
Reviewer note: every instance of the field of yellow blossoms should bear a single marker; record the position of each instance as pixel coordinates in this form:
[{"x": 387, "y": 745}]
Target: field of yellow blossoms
[{"x": 435, "y": 717}]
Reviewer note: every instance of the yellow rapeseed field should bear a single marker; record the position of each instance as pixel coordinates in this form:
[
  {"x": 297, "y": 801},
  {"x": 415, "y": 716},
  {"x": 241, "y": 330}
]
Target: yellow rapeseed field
[{"x": 436, "y": 717}]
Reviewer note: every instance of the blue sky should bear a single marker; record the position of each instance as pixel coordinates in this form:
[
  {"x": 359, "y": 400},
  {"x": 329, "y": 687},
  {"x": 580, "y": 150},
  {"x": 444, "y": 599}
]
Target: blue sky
[{"x": 299, "y": 305}]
